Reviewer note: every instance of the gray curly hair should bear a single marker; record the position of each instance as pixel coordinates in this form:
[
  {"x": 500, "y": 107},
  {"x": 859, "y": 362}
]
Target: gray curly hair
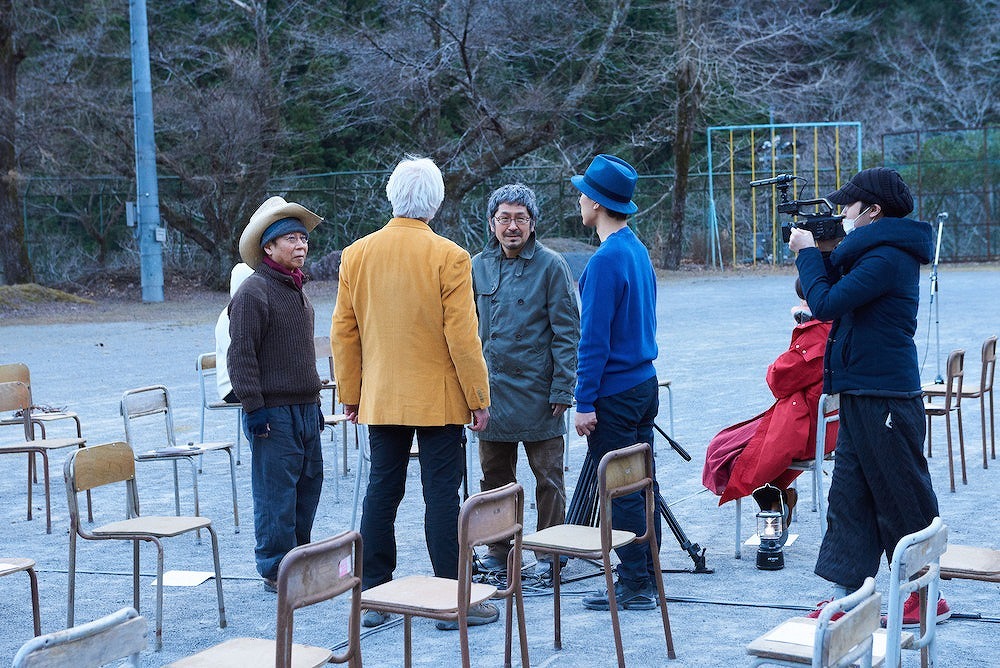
[{"x": 513, "y": 193}]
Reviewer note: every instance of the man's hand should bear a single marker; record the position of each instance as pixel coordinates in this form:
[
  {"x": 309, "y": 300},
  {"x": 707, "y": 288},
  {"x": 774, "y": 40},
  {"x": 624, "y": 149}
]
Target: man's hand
[
  {"x": 480, "y": 417},
  {"x": 351, "y": 412},
  {"x": 800, "y": 239},
  {"x": 585, "y": 423},
  {"x": 257, "y": 423},
  {"x": 558, "y": 409}
]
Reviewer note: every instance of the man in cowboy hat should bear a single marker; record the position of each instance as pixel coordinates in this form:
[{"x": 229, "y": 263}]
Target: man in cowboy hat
[
  {"x": 869, "y": 287},
  {"x": 616, "y": 387},
  {"x": 409, "y": 362},
  {"x": 272, "y": 366}
]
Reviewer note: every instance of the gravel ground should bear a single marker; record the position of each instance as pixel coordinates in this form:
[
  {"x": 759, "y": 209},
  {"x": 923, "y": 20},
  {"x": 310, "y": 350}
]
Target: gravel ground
[{"x": 717, "y": 333}]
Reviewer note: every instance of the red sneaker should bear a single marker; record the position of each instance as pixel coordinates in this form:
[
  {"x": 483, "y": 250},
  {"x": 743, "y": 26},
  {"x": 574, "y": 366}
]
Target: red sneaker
[
  {"x": 911, "y": 611},
  {"x": 819, "y": 609}
]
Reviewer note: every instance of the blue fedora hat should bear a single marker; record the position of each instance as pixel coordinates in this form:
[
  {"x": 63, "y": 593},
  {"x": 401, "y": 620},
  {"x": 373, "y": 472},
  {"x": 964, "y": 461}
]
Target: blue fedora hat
[{"x": 610, "y": 182}]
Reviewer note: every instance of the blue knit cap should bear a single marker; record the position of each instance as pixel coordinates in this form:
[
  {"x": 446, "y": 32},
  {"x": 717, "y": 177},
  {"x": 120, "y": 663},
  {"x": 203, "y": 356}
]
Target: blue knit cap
[{"x": 280, "y": 228}]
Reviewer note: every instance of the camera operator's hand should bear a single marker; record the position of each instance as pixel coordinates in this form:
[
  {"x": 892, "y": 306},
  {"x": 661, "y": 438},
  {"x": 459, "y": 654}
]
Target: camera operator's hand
[
  {"x": 827, "y": 245},
  {"x": 800, "y": 239}
]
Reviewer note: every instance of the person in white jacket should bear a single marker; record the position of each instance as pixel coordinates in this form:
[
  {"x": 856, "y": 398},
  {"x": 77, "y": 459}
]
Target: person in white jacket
[{"x": 239, "y": 274}]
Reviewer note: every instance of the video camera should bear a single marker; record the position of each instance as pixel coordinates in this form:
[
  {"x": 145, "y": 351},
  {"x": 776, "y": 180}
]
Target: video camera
[{"x": 823, "y": 223}]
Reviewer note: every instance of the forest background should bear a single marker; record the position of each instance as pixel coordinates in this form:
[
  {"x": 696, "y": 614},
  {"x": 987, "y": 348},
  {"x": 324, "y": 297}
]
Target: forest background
[{"x": 317, "y": 99}]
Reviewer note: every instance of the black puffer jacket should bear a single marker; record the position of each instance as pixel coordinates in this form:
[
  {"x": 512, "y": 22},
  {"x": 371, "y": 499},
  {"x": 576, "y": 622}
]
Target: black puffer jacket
[{"x": 870, "y": 288}]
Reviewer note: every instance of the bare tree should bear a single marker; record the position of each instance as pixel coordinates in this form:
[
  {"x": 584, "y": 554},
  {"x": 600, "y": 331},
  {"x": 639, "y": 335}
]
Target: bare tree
[
  {"x": 477, "y": 85},
  {"x": 15, "y": 266},
  {"x": 743, "y": 61},
  {"x": 930, "y": 76}
]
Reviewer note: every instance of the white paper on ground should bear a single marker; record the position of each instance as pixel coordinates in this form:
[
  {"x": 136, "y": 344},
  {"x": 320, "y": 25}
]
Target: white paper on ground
[{"x": 184, "y": 578}]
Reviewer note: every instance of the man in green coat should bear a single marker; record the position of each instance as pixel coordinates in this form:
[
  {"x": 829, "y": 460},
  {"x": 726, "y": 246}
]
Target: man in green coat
[{"x": 529, "y": 323}]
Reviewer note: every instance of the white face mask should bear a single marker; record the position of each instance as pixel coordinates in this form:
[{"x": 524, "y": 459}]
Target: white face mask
[{"x": 848, "y": 223}]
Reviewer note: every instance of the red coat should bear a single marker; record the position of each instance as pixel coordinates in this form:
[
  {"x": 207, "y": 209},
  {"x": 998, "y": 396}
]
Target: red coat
[{"x": 744, "y": 456}]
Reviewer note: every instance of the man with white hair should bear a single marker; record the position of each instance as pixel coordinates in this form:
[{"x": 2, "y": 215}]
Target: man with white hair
[{"x": 409, "y": 361}]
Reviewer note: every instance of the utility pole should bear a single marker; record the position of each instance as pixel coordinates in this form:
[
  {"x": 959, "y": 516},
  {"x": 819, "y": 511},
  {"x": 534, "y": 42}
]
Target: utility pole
[{"x": 151, "y": 234}]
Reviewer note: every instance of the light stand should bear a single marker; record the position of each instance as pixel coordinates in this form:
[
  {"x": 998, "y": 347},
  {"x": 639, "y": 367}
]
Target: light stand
[{"x": 936, "y": 303}]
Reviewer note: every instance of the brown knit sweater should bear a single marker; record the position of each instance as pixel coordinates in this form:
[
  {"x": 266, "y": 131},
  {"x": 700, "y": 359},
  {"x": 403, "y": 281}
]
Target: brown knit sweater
[{"x": 272, "y": 360}]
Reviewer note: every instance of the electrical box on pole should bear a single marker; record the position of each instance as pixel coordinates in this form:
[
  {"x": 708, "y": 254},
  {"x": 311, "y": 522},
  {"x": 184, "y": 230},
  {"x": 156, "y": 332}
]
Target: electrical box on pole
[{"x": 147, "y": 207}]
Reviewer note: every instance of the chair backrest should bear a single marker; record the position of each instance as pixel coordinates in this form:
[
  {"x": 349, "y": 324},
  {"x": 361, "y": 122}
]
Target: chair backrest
[
  {"x": 96, "y": 466},
  {"x": 491, "y": 516},
  {"x": 143, "y": 402},
  {"x": 15, "y": 396},
  {"x": 317, "y": 572},
  {"x": 955, "y": 370},
  {"x": 206, "y": 369},
  {"x": 828, "y": 412},
  {"x": 989, "y": 357},
  {"x": 622, "y": 472},
  {"x": 15, "y": 373},
  {"x": 850, "y": 638},
  {"x": 916, "y": 553},
  {"x": 117, "y": 636},
  {"x": 324, "y": 352}
]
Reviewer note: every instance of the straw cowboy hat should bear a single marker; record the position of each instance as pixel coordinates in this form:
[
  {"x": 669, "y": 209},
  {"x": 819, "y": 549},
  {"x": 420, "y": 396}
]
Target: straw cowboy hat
[{"x": 271, "y": 211}]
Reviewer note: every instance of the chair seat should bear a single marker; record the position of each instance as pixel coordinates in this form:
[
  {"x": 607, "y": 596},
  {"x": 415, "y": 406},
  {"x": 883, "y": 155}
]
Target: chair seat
[
  {"x": 330, "y": 420},
  {"x": 10, "y": 565},
  {"x": 792, "y": 641},
  {"x": 222, "y": 404},
  {"x": 934, "y": 389},
  {"x": 575, "y": 539},
  {"x": 43, "y": 444},
  {"x": 38, "y": 416},
  {"x": 252, "y": 653},
  {"x": 183, "y": 450},
  {"x": 422, "y": 595},
  {"x": 937, "y": 409},
  {"x": 966, "y": 562},
  {"x": 159, "y": 526}
]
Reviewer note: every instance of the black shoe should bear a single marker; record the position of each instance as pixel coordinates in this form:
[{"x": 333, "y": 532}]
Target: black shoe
[
  {"x": 626, "y": 598},
  {"x": 271, "y": 585},
  {"x": 543, "y": 568}
]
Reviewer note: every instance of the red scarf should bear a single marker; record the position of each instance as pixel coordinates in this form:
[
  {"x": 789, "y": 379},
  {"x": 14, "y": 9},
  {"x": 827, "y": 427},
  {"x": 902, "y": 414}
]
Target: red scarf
[{"x": 296, "y": 274}]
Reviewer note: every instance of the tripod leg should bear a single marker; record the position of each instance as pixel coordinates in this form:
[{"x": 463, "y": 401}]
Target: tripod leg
[{"x": 695, "y": 551}]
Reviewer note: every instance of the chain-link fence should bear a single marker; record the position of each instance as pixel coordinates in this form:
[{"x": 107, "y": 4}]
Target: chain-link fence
[
  {"x": 954, "y": 172},
  {"x": 76, "y": 226}
]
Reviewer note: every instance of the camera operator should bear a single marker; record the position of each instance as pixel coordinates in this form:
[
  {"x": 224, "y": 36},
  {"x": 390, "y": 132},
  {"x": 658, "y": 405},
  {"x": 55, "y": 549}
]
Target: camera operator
[{"x": 868, "y": 287}]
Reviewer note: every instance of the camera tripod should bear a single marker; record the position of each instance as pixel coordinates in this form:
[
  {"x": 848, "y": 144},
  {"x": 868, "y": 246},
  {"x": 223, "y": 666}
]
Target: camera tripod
[{"x": 583, "y": 506}]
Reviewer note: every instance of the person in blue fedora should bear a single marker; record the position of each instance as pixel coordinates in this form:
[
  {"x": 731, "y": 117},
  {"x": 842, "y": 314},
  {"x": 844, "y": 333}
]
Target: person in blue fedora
[{"x": 616, "y": 387}]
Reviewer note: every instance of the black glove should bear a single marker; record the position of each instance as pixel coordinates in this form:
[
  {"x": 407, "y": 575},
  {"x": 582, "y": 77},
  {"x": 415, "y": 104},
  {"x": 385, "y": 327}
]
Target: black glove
[{"x": 257, "y": 423}]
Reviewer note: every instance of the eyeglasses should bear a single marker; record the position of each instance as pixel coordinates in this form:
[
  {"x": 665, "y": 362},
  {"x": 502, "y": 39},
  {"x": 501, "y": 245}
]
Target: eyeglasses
[
  {"x": 295, "y": 239},
  {"x": 505, "y": 221}
]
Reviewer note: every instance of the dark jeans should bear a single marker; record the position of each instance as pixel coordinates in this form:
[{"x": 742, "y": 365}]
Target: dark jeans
[
  {"x": 286, "y": 476},
  {"x": 881, "y": 489},
  {"x": 499, "y": 462},
  {"x": 442, "y": 463},
  {"x": 625, "y": 419}
]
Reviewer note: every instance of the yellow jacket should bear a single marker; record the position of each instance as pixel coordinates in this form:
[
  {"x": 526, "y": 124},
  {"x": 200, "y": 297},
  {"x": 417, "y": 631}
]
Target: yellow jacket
[{"x": 404, "y": 331}]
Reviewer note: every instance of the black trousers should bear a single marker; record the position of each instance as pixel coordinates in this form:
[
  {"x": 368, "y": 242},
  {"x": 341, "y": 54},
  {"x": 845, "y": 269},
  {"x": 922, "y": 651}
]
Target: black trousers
[
  {"x": 442, "y": 460},
  {"x": 881, "y": 489}
]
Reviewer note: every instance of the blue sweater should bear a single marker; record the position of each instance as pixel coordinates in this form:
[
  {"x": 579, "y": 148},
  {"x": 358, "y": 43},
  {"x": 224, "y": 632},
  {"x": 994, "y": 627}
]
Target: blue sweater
[
  {"x": 870, "y": 289},
  {"x": 617, "y": 320}
]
